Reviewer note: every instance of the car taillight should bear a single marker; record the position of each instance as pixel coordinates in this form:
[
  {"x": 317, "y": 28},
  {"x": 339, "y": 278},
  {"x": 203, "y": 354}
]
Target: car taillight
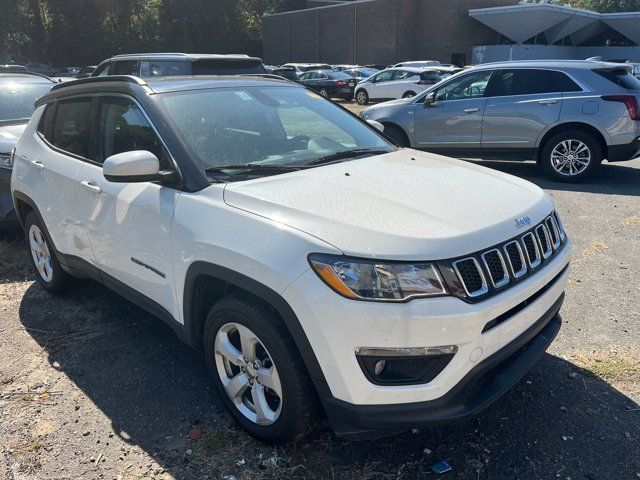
[
  {"x": 630, "y": 101},
  {"x": 340, "y": 83}
]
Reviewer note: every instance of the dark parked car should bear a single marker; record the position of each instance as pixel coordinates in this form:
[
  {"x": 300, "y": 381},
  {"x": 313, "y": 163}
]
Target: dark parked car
[
  {"x": 42, "y": 69},
  {"x": 13, "y": 69},
  {"x": 146, "y": 65},
  {"x": 300, "y": 68},
  {"x": 18, "y": 93},
  {"x": 329, "y": 84},
  {"x": 285, "y": 72}
]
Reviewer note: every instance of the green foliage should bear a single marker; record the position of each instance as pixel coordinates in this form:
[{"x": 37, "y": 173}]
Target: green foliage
[
  {"x": 82, "y": 32},
  {"x": 602, "y": 6}
]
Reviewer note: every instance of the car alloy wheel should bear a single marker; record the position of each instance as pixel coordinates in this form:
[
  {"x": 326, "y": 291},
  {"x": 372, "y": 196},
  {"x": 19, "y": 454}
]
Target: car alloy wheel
[
  {"x": 248, "y": 374},
  {"x": 361, "y": 97},
  {"x": 40, "y": 253},
  {"x": 570, "y": 157}
]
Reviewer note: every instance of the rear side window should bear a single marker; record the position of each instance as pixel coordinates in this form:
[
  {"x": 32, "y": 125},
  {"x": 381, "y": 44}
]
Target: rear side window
[
  {"x": 520, "y": 82},
  {"x": 620, "y": 77},
  {"x": 72, "y": 127},
  {"x": 46, "y": 122},
  {"x": 162, "y": 68},
  {"x": 226, "y": 67},
  {"x": 403, "y": 74},
  {"x": 130, "y": 67},
  {"x": 124, "y": 128},
  {"x": 563, "y": 82}
]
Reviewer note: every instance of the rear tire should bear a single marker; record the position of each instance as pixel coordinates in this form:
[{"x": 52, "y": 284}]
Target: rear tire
[
  {"x": 397, "y": 135},
  {"x": 408, "y": 94},
  {"x": 287, "y": 397},
  {"x": 324, "y": 92},
  {"x": 362, "y": 97},
  {"x": 42, "y": 253},
  {"x": 571, "y": 156}
]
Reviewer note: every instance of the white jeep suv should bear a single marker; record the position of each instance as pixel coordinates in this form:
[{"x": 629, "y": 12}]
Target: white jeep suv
[{"x": 318, "y": 267}]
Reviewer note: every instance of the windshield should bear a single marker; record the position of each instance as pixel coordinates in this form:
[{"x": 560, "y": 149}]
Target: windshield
[
  {"x": 17, "y": 99},
  {"x": 268, "y": 126}
]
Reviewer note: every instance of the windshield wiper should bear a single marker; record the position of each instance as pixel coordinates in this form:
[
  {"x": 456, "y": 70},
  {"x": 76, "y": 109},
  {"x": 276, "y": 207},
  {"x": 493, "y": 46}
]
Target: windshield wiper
[
  {"x": 345, "y": 154},
  {"x": 254, "y": 166}
]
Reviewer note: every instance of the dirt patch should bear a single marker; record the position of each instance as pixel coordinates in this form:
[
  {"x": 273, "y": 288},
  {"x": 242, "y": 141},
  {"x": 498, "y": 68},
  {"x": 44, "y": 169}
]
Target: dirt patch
[{"x": 618, "y": 366}]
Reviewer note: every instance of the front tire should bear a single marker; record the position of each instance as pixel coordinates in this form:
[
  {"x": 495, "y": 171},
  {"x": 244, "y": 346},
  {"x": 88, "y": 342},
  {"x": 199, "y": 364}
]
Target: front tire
[
  {"x": 397, "y": 135},
  {"x": 362, "y": 97},
  {"x": 257, "y": 370},
  {"x": 408, "y": 94},
  {"x": 571, "y": 156},
  {"x": 42, "y": 253}
]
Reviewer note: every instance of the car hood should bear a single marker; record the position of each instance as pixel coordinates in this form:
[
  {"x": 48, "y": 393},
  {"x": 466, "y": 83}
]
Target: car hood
[
  {"x": 9, "y": 136},
  {"x": 404, "y": 205}
]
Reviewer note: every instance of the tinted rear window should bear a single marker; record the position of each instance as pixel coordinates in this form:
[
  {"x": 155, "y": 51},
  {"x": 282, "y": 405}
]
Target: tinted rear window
[
  {"x": 72, "y": 130},
  {"x": 620, "y": 77},
  {"x": 162, "y": 68},
  {"x": 520, "y": 82},
  {"x": 226, "y": 67},
  {"x": 563, "y": 82}
]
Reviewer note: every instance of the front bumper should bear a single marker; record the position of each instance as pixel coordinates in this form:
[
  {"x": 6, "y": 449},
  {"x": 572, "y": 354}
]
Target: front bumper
[
  {"x": 482, "y": 386},
  {"x": 7, "y": 212},
  {"x": 336, "y": 327}
]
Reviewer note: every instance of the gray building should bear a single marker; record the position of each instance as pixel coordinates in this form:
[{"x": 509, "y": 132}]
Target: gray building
[{"x": 452, "y": 31}]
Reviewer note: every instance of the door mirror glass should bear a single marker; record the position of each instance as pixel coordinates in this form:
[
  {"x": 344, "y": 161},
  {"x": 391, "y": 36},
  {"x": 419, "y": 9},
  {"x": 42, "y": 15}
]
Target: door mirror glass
[
  {"x": 429, "y": 99},
  {"x": 377, "y": 125},
  {"x": 130, "y": 167}
]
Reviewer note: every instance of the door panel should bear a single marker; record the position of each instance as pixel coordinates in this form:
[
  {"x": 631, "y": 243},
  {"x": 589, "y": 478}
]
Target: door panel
[
  {"x": 57, "y": 167},
  {"x": 454, "y": 120},
  {"x": 130, "y": 223},
  {"x": 520, "y": 104},
  {"x": 380, "y": 88}
]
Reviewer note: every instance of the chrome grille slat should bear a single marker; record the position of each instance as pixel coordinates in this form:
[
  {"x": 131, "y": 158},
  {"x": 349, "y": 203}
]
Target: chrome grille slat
[
  {"x": 531, "y": 249},
  {"x": 500, "y": 281},
  {"x": 554, "y": 231},
  {"x": 459, "y": 265},
  {"x": 544, "y": 241},
  {"x": 484, "y": 272},
  {"x": 520, "y": 256}
]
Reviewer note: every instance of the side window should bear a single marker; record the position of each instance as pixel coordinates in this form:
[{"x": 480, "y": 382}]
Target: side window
[
  {"x": 520, "y": 82},
  {"x": 402, "y": 74},
  {"x": 384, "y": 76},
  {"x": 123, "y": 128},
  {"x": 563, "y": 82},
  {"x": 129, "y": 67},
  {"x": 468, "y": 86},
  {"x": 102, "y": 70},
  {"x": 72, "y": 126},
  {"x": 46, "y": 121}
]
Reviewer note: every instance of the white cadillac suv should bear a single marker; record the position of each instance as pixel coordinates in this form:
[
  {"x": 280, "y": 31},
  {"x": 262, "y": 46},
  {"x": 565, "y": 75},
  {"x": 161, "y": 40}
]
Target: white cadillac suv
[{"x": 320, "y": 269}]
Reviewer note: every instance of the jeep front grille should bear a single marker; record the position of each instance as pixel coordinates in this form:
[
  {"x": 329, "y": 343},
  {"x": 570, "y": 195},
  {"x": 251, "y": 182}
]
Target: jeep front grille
[{"x": 492, "y": 270}]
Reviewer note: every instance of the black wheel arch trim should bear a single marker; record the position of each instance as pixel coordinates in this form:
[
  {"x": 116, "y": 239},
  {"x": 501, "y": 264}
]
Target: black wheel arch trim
[{"x": 267, "y": 295}]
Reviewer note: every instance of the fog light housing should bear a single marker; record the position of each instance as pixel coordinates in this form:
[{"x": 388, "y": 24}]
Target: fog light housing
[{"x": 404, "y": 366}]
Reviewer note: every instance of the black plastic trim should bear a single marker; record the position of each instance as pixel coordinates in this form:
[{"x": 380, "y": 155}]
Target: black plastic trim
[
  {"x": 482, "y": 386},
  {"x": 622, "y": 153}
]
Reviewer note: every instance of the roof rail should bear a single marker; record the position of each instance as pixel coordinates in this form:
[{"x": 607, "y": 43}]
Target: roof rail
[
  {"x": 151, "y": 54},
  {"x": 106, "y": 79}
]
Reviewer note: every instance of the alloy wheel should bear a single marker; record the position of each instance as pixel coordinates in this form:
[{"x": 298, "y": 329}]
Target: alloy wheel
[
  {"x": 40, "y": 253},
  {"x": 248, "y": 374},
  {"x": 570, "y": 157}
]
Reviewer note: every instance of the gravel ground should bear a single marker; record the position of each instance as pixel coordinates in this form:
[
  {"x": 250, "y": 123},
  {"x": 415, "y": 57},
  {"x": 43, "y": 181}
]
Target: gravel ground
[{"x": 92, "y": 387}]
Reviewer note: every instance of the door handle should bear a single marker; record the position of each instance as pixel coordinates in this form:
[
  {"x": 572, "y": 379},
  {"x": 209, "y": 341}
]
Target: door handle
[
  {"x": 38, "y": 164},
  {"x": 91, "y": 186},
  {"x": 471, "y": 110},
  {"x": 547, "y": 102}
]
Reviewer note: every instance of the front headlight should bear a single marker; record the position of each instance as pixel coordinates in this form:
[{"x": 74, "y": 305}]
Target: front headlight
[
  {"x": 6, "y": 160},
  {"x": 378, "y": 280}
]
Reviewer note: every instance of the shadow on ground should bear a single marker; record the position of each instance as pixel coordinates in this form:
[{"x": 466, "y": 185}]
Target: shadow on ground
[
  {"x": 559, "y": 420},
  {"x": 611, "y": 178}
]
